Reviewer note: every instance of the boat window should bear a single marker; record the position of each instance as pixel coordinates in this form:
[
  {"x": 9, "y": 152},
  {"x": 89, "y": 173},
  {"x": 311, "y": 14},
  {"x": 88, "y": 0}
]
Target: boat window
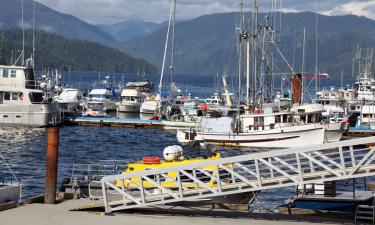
[
  {"x": 278, "y": 119},
  {"x": 6, "y": 96},
  {"x": 13, "y": 73},
  {"x": 36, "y": 98},
  {"x": 5, "y": 73},
  {"x": 30, "y": 79},
  {"x": 259, "y": 120},
  {"x": 15, "y": 96},
  {"x": 1, "y": 97}
]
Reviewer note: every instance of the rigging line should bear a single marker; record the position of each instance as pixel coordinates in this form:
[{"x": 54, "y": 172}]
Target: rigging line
[
  {"x": 166, "y": 48},
  {"x": 7, "y": 165}
]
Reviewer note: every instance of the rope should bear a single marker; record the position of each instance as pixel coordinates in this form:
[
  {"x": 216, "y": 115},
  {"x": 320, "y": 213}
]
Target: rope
[{"x": 11, "y": 171}]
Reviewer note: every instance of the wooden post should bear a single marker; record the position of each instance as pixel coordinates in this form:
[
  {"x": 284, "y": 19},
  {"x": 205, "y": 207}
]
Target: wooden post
[{"x": 51, "y": 165}]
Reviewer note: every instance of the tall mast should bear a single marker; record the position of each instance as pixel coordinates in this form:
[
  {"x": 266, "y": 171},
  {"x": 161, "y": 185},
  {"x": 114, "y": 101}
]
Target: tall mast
[
  {"x": 171, "y": 67},
  {"x": 255, "y": 33},
  {"x": 316, "y": 47},
  {"x": 166, "y": 48},
  {"x": 303, "y": 63},
  {"x": 33, "y": 56},
  {"x": 23, "y": 35}
]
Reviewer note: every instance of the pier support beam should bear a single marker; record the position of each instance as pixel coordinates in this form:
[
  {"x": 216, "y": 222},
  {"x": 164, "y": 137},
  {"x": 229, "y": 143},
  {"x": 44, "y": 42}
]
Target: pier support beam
[{"x": 51, "y": 165}]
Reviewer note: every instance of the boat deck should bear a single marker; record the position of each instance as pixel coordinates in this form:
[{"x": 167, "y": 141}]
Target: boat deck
[{"x": 113, "y": 122}]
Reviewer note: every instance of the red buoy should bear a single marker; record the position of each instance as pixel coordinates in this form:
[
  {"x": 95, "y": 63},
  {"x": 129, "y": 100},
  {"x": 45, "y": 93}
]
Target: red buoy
[
  {"x": 204, "y": 107},
  {"x": 151, "y": 160}
]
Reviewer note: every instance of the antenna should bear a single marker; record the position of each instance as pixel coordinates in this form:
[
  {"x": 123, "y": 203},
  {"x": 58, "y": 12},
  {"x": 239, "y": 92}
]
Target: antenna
[
  {"x": 2, "y": 46},
  {"x": 23, "y": 36},
  {"x": 173, "y": 40}
]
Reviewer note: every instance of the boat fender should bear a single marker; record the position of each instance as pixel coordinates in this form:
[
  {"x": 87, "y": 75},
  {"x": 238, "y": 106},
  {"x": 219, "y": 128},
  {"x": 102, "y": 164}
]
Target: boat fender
[{"x": 151, "y": 160}]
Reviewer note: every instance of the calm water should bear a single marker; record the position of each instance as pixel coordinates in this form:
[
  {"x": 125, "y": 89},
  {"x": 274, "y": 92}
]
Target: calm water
[{"x": 24, "y": 149}]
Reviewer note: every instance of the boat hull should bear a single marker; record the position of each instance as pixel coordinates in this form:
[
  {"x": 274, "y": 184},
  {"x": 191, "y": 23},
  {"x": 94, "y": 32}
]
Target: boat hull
[
  {"x": 149, "y": 107},
  {"x": 129, "y": 107},
  {"x": 294, "y": 136},
  {"x": 36, "y": 115},
  {"x": 10, "y": 193},
  {"x": 334, "y": 131}
]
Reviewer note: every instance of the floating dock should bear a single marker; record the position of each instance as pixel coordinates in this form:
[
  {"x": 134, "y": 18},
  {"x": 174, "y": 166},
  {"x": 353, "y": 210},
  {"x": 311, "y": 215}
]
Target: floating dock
[{"x": 113, "y": 122}]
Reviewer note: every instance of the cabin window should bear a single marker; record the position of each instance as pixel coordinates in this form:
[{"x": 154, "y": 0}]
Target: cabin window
[
  {"x": 5, "y": 73},
  {"x": 278, "y": 119},
  {"x": 1, "y": 97},
  {"x": 258, "y": 120},
  {"x": 14, "y": 96},
  {"x": 13, "y": 73},
  {"x": 6, "y": 96},
  {"x": 36, "y": 97}
]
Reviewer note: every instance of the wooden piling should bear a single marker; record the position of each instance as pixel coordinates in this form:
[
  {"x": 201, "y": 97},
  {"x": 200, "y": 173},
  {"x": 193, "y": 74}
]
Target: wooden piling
[{"x": 51, "y": 165}]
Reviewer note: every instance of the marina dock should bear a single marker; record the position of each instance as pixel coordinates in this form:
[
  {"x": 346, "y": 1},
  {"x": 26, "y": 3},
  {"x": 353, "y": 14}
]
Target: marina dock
[
  {"x": 40, "y": 214},
  {"x": 113, "y": 122}
]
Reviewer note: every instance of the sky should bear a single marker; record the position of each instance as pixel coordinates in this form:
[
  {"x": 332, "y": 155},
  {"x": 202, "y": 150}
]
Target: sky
[{"x": 114, "y": 11}]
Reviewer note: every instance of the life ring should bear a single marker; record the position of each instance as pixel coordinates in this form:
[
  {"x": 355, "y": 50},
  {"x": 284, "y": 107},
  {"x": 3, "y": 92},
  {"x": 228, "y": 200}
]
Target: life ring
[{"x": 151, "y": 160}]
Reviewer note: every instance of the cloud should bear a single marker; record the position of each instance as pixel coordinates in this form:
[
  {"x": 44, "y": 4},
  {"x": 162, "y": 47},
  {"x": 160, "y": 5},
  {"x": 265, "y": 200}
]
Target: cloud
[{"x": 112, "y": 11}]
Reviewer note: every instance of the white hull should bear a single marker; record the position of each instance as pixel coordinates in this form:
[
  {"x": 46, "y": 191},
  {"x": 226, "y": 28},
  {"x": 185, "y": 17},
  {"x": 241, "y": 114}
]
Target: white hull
[
  {"x": 131, "y": 107},
  {"x": 175, "y": 125},
  {"x": 10, "y": 193},
  {"x": 148, "y": 107},
  {"x": 36, "y": 115},
  {"x": 293, "y": 136},
  {"x": 334, "y": 131}
]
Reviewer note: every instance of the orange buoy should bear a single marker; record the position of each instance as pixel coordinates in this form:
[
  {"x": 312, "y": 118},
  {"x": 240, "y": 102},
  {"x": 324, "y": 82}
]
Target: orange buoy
[
  {"x": 151, "y": 160},
  {"x": 204, "y": 107}
]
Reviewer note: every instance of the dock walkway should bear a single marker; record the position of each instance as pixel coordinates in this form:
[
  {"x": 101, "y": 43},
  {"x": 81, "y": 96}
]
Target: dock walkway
[{"x": 39, "y": 214}]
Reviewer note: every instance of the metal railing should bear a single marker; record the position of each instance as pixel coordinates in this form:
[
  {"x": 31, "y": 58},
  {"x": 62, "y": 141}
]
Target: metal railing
[{"x": 247, "y": 173}]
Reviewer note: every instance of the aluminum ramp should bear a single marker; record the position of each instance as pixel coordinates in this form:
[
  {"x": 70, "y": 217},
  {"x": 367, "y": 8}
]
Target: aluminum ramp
[{"x": 242, "y": 174}]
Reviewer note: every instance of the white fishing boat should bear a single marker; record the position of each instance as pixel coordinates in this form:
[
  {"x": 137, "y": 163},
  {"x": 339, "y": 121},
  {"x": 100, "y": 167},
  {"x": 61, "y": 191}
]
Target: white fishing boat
[
  {"x": 269, "y": 130},
  {"x": 22, "y": 99}
]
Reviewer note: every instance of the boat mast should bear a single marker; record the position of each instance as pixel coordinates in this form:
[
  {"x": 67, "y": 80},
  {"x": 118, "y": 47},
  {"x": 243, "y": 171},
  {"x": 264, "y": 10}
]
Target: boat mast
[
  {"x": 303, "y": 63},
  {"x": 23, "y": 35},
  {"x": 316, "y": 46},
  {"x": 165, "y": 50},
  {"x": 33, "y": 56},
  {"x": 254, "y": 44},
  {"x": 171, "y": 67}
]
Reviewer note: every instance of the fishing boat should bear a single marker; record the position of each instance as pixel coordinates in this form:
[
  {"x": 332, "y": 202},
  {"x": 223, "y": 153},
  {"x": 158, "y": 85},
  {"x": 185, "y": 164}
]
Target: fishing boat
[
  {"x": 267, "y": 129},
  {"x": 22, "y": 100}
]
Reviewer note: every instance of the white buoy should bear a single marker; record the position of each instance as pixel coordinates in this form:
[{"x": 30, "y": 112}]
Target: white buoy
[{"x": 172, "y": 153}]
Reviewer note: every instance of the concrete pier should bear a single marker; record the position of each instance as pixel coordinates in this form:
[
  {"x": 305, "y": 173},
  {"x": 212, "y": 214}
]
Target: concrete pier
[{"x": 40, "y": 214}]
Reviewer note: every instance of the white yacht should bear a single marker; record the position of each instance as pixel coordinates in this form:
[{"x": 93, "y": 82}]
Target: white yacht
[
  {"x": 71, "y": 101},
  {"x": 22, "y": 100},
  {"x": 131, "y": 100},
  {"x": 102, "y": 99}
]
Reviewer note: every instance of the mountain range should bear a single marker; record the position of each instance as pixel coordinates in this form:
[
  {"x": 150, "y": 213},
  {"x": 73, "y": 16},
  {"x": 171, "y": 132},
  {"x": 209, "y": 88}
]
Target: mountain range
[
  {"x": 207, "y": 45},
  {"x": 50, "y": 21}
]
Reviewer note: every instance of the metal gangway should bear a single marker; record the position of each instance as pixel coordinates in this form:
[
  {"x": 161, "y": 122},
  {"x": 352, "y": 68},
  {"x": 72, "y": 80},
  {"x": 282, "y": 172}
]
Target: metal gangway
[{"x": 240, "y": 174}]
